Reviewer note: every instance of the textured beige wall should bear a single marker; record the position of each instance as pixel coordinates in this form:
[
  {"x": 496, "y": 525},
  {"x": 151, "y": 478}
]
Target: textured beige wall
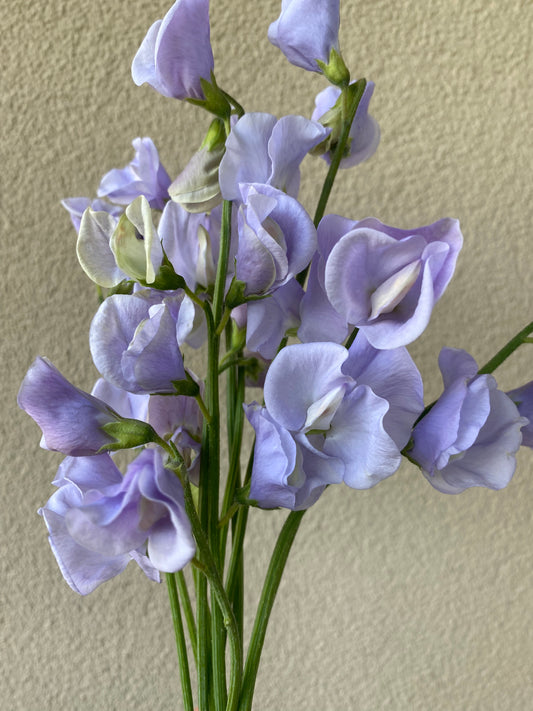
[{"x": 394, "y": 598}]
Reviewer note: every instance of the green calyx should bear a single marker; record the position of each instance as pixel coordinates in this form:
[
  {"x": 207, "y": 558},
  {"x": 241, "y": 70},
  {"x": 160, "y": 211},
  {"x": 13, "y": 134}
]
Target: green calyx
[
  {"x": 128, "y": 433},
  {"x": 215, "y": 100},
  {"x": 335, "y": 70},
  {"x": 215, "y": 136}
]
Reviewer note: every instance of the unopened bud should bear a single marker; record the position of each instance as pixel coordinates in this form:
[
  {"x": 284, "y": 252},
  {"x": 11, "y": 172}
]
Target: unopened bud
[
  {"x": 196, "y": 188},
  {"x": 135, "y": 243}
]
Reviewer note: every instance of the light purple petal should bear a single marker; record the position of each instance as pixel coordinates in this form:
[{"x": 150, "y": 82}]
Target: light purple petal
[
  {"x": 300, "y": 376},
  {"x": 70, "y": 419},
  {"x": 275, "y": 459},
  {"x": 523, "y": 399},
  {"x": 246, "y": 159},
  {"x": 393, "y": 376},
  {"x": 357, "y": 436},
  {"x": 306, "y": 30},
  {"x": 291, "y": 139},
  {"x": 176, "y": 53}
]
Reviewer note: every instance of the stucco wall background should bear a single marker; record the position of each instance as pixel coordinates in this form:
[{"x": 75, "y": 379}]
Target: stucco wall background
[{"x": 395, "y": 598}]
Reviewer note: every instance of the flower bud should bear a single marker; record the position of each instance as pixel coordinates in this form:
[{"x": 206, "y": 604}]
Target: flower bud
[
  {"x": 135, "y": 242},
  {"x": 197, "y": 188}
]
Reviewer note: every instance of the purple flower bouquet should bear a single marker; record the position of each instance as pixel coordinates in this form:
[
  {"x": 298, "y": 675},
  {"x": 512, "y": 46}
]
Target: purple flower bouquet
[{"x": 316, "y": 310}]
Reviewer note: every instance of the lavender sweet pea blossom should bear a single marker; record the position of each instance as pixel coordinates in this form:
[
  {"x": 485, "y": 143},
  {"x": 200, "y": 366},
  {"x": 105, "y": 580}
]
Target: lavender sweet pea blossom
[
  {"x": 364, "y": 132},
  {"x": 263, "y": 149},
  {"x": 82, "y": 568},
  {"x": 144, "y": 175},
  {"x": 176, "y": 52},
  {"x": 71, "y": 420},
  {"x": 320, "y": 425},
  {"x": 277, "y": 238},
  {"x": 472, "y": 433},
  {"x": 385, "y": 280},
  {"x": 523, "y": 399},
  {"x": 306, "y": 30},
  {"x": 98, "y": 521},
  {"x": 135, "y": 339}
]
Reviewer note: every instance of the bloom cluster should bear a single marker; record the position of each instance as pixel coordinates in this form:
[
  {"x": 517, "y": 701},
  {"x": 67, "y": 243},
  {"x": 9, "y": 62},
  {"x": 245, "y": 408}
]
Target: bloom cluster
[{"x": 227, "y": 247}]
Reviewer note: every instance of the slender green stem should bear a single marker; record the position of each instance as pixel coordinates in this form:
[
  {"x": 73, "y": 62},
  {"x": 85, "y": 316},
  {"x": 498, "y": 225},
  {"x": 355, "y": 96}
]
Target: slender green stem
[
  {"x": 270, "y": 588},
  {"x": 180, "y": 642},
  {"x": 349, "y": 111},
  {"x": 348, "y": 115},
  {"x": 215, "y": 582},
  {"x": 202, "y": 606},
  {"x": 351, "y": 338},
  {"x": 222, "y": 266},
  {"x": 213, "y": 482},
  {"x": 236, "y": 550},
  {"x": 188, "y": 612},
  {"x": 203, "y": 408},
  {"x": 507, "y": 350},
  {"x": 235, "y": 451}
]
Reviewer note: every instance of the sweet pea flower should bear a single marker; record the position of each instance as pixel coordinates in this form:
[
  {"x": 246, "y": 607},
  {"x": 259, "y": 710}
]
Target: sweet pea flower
[
  {"x": 523, "y": 399},
  {"x": 277, "y": 238},
  {"x": 144, "y": 175},
  {"x": 71, "y": 420},
  {"x": 176, "y": 52},
  {"x": 364, "y": 132},
  {"x": 263, "y": 149},
  {"x": 307, "y": 30},
  {"x": 471, "y": 434},
  {"x": 98, "y": 521},
  {"x": 135, "y": 339},
  {"x": 321, "y": 425},
  {"x": 385, "y": 280}
]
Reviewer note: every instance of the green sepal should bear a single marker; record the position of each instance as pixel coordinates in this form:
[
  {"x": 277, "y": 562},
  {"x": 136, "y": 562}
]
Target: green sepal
[
  {"x": 242, "y": 496},
  {"x": 335, "y": 70},
  {"x": 215, "y": 136},
  {"x": 187, "y": 386},
  {"x": 125, "y": 287},
  {"x": 253, "y": 368},
  {"x": 128, "y": 433},
  {"x": 215, "y": 101},
  {"x": 236, "y": 296},
  {"x": 166, "y": 278}
]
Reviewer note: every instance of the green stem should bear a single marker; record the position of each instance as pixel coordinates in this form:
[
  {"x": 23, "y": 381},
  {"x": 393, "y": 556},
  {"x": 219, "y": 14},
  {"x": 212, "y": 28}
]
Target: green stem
[
  {"x": 180, "y": 642},
  {"x": 187, "y": 611},
  {"x": 213, "y": 481},
  {"x": 222, "y": 266},
  {"x": 235, "y": 451},
  {"x": 224, "y": 605},
  {"x": 203, "y": 408},
  {"x": 270, "y": 588},
  {"x": 349, "y": 111},
  {"x": 507, "y": 350},
  {"x": 348, "y": 117},
  {"x": 351, "y": 338},
  {"x": 202, "y": 607},
  {"x": 236, "y": 550}
]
